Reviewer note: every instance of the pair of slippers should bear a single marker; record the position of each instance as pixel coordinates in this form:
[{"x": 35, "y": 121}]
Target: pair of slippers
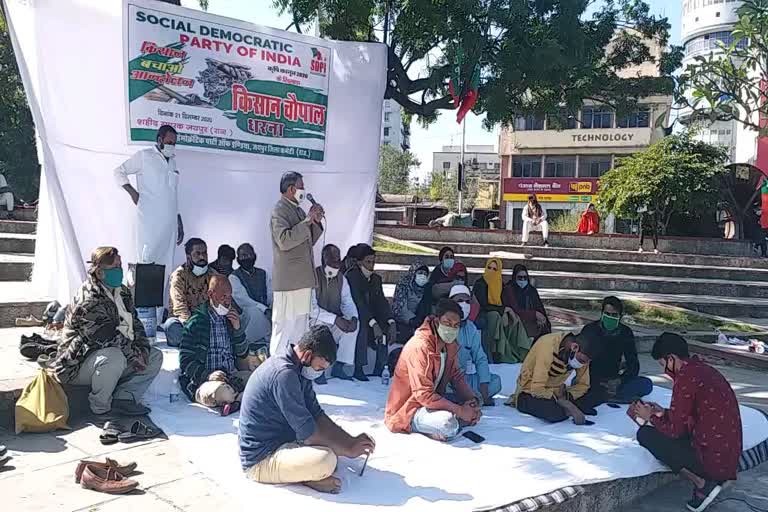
[
  {"x": 115, "y": 432},
  {"x": 3, "y": 458}
]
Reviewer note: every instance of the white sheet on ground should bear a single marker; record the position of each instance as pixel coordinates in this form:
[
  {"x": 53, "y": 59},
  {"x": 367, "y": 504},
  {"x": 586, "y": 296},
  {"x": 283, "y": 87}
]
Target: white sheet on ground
[{"x": 521, "y": 457}]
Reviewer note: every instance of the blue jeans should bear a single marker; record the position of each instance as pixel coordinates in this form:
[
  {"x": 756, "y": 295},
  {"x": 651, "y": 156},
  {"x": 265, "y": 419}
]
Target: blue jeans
[
  {"x": 634, "y": 387},
  {"x": 173, "y": 329},
  {"x": 444, "y": 424}
]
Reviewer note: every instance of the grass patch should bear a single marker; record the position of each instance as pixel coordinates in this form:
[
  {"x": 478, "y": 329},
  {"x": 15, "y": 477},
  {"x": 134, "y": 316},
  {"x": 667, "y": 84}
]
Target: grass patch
[
  {"x": 386, "y": 246},
  {"x": 648, "y": 315}
]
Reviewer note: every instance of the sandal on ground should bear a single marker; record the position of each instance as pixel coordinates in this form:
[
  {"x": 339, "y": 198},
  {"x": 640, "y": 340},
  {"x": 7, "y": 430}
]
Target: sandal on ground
[
  {"x": 110, "y": 433},
  {"x": 138, "y": 432}
]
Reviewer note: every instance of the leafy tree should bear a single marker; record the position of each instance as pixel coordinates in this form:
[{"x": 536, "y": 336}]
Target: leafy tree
[
  {"x": 395, "y": 170},
  {"x": 442, "y": 188},
  {"x": 534, "y": 57},
  {"x": 730, "y": 84},
  {"x": 18, "y": 153},
  {"x": 677, "y": 175}
]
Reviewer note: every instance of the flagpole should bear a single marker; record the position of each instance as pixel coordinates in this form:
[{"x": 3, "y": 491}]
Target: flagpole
[{"x": 462, "y": 167}]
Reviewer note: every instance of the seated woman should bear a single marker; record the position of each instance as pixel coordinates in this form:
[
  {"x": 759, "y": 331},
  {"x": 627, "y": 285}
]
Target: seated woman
[
  {"x": 590, "y": 221},
  {"x": 408, "y": 306},
  {"x": 440, "y": 281},
  {"x": 504, "y": 336},
  {"x": 523, "y": 298},
  {"x": 103, "y": 345}
]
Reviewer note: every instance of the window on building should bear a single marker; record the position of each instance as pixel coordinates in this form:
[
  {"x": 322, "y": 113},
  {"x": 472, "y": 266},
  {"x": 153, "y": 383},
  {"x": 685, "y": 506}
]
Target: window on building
[
  {"x": 387, "y": 115},
  {"x": 446, "y": 166},
  {"x": 640, "y": 118},
  {"x": 526, "y": 167},
  {"x": 386, "y": 131},
  {"x": 496, "y": 166},
  {"x": 530, "y": 122},
  {"x": 560, "y": 167},
  {"x": 561, "y": 121},
  {"x": 597, "y": 117},
  {"x": 712, "y": 41},
  {"x": 594, "y": 166}
]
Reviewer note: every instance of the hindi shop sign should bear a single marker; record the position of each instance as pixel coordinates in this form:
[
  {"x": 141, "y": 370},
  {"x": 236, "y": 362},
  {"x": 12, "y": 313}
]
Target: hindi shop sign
[
  {"x": 225, "y": 87},
  {"x": 551, "y": 190}
]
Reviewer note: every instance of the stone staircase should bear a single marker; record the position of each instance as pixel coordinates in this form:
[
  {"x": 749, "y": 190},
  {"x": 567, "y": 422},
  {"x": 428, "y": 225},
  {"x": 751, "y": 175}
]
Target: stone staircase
[{"x": 17, "y": 247}]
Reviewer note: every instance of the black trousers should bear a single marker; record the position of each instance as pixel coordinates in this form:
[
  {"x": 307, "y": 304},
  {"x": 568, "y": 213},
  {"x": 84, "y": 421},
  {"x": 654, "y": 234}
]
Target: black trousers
[
  {"x": 649, "y": 220},
  {"x": 675, "y": 453},
  {"x": 549, "y": 410}
]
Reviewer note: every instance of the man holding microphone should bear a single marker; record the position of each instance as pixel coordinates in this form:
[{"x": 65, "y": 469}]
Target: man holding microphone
[{"x": 294, "y": 233}]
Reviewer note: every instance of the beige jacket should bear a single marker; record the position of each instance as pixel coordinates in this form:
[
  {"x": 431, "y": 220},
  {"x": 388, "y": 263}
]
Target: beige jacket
[{"x": 293, "y": 236}]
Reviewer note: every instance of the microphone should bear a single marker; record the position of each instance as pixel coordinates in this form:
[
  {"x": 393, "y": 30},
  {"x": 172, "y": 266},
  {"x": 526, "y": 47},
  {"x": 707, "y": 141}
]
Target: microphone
[{"x": 311, "y": 199}]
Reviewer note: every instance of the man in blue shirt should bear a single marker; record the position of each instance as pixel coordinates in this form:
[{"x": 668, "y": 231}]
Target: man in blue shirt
[
  {"x": 285, "y": 437},
  {"x": 472, "y": 358}
]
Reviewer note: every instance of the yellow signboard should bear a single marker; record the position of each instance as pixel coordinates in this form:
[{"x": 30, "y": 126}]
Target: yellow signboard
[{"x": 553, "y": 198}]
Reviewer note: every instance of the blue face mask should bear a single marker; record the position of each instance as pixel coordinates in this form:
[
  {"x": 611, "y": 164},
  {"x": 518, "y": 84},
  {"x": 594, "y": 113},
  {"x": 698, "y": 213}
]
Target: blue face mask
[
  {"x": 522, "y": 283},
  {"x": 113, "y": 277},
  {"x": 448, "y": 263}
]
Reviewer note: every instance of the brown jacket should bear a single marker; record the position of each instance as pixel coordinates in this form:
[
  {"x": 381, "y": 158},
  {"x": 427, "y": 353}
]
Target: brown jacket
[
  {"x": 293, "y": 236},
  {"x": 413, "y": 384},
  {"x": 187, "y": 291}
]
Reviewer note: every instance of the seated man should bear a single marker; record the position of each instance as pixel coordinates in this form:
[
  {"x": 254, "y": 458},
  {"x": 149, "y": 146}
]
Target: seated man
[
  {"x": 332, "y": 305},
  {"x": 541, "y": 389},
  {"x": 373, "y": 307},
  {"x": 285, "y": 437},
  {"x": 6, "y": 195},
  {"x": 614, "y": 341},
  {"x": 189, "y": 289},
  {"x": 103, "y": 345},
  {"x": 473, "y": 362},
  {"x": 417, "y": 401},
  {"x": 224, "y": 259},
  {"x": 252, "y": 291},
  {"x": 213, "y": 359},
  {"x": 700, "y": 435}
]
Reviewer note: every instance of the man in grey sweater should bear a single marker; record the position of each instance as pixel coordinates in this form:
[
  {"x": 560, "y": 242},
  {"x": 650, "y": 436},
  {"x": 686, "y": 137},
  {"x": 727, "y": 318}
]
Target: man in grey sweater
[{"x": 293, "y": 273}]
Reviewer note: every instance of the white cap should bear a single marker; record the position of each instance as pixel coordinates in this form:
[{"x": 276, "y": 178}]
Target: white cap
[{"x": 458, "y": 289}]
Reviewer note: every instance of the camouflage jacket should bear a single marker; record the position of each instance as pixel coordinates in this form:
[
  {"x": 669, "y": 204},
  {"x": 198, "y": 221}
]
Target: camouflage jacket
[{"x": 91, "y": 324}]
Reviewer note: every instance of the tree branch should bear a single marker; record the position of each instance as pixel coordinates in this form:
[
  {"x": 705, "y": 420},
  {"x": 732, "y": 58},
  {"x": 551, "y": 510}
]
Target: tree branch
[{"x": 422, "y": 109}]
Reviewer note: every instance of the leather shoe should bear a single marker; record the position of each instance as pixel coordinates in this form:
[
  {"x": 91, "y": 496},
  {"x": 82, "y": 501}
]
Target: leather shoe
[
  {"x": 106, "y": 480},
  {"x": 125, "y": 470}
]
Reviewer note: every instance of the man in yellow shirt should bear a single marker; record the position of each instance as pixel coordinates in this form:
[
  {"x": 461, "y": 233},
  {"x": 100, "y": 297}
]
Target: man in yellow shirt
[{"x": 541, "y": 389}]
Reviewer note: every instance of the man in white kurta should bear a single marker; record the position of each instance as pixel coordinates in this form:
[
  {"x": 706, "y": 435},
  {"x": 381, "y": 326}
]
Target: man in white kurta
[
  {"x": 159, "y": 228},
  {"x": 333, "y": 306},
  {"x": 6, "y": 196}
]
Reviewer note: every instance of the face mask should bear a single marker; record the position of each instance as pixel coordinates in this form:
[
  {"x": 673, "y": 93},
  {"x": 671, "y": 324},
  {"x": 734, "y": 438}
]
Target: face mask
[
  {"x": 221, "y": 309},
  {"x": 113, "y": 277},
  {"x": 301, "y": 195},
  {"x": 367, "y": 273},
  {"x": 199, "y": 270},
  {"x": 331, "y": 272},
  {"x": 421, "y": 279},
  {"x": 446, "y": 333},
  {"x": 448, "y": 263},
  {"x": 522, "y": 283},
  {"x": 574, "y": 363},
  {"x": 464, "y": 309},
  {"x": 246, "y": 263},
  {"x": 609, "y": 322},
  {"x": 169, "y": 150},
  {"x": 310, "y": 373}
]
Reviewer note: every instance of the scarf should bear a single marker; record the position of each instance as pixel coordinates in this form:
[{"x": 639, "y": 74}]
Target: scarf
[
  {"x": 126, "y": 319},
  {"x": 407, "y": 287},
  {"x": 493, "y": 280}
]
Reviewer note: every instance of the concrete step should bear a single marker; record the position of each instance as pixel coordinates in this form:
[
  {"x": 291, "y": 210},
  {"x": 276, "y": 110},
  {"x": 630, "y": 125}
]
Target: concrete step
[
  {"x": 15, "y": 267},
  {"x": 677, "y": 245},
  {"x": 581, "y": 266},
  {"x": 603, "y": 255},
  {"x": 18, "y": 227},
  {"x": 611, "y": 283},
  {"x": 16, "y": 243},
  {"x": 18, "y": 299}
]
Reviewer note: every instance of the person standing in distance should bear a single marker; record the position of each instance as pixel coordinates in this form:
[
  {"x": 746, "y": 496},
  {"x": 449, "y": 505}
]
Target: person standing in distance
[
  {"x": 159, "y": 222},
  {"x": 293, "y": 272}
]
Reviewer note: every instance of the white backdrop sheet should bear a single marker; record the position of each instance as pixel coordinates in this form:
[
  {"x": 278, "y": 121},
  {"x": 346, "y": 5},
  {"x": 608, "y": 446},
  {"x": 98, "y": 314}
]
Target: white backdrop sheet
[{"x": 70, "y": 55}]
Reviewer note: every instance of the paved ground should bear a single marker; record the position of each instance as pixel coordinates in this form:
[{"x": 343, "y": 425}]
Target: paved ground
[{"x": 40, "y": 475}]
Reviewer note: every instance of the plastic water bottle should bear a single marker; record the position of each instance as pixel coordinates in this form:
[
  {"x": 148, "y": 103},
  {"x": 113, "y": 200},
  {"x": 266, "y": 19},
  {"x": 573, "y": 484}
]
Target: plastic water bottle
[
  {"x": 174, "y": 396},
  {"x": 385, "y": 375}
]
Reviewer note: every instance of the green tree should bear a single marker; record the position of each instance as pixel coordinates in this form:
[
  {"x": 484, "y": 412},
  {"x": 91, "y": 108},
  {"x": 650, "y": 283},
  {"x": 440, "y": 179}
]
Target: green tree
[
  {"x": 730, "y": 84},
  {"x": 677, "y": 175},
  {"x": 442, "y": 188},
  {"x": 395, "y": 170},
  {"x": 534, "y": 57},
  {"x": 18, "y": 152}
]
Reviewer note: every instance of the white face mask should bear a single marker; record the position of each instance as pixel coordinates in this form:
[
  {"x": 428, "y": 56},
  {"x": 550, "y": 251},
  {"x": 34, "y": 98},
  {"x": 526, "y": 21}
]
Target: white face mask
[
  {"x": 169, "y": 150},
  {"x": 199, "y": 270},
  {"x": 574, "y": 363},
  {"x": 464, "y": 309},
  {"x": 301, "y": 195},
  {"x": 447, "y": 334},
  {"x": 221, "y": 309},
  {"x": 421, "y": 279},
  {"x": 331, "y": 272},
  {"x": 310, "y": 373},
  {"x": 367, "y": 273}
]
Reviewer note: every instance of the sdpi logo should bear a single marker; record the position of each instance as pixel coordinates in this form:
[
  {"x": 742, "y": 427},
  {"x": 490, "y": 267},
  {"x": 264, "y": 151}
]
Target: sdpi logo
[{"x": 319, "y": 64}]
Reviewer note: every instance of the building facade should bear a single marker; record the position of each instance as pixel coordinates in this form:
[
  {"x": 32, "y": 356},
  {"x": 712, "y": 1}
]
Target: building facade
[
  {"x": 481, "y": 161},
  {"x": 561, "y": 160},
  {"x": 394, "y": 130}
]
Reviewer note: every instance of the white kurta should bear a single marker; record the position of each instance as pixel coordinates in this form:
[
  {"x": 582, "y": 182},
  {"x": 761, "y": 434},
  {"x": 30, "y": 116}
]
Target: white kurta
[
  {"x": 345, "y": 340},
  {"x": 6, "y": 198},
  {"x": 258, "y": 325},
  {"x": 157, "y": 181}
]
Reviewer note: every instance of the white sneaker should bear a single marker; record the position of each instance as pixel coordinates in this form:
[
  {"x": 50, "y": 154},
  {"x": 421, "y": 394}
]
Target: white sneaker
[{"x": 640, "y": 250}]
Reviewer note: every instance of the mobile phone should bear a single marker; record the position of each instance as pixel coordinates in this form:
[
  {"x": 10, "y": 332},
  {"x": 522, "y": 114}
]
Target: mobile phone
[{"x": 472, "y": 436}]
